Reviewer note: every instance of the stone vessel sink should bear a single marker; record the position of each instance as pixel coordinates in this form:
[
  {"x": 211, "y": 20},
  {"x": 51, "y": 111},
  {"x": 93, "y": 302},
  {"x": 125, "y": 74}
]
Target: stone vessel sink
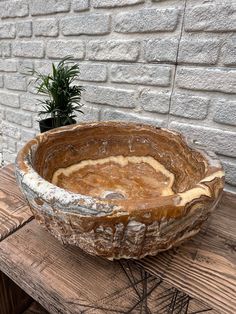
[{"x": 118, "y": 190}]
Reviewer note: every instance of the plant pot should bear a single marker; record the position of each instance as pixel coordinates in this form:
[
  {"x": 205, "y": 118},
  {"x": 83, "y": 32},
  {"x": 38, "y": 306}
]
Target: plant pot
[{"x": 47, "y": 124}]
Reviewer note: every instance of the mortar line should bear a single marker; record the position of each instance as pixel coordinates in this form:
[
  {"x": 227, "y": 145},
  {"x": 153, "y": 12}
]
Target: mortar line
[{"x": 176, "y": 62}]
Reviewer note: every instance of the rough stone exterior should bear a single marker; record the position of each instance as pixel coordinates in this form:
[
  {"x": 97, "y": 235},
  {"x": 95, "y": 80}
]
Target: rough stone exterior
[{"x": 169, "y": 63}]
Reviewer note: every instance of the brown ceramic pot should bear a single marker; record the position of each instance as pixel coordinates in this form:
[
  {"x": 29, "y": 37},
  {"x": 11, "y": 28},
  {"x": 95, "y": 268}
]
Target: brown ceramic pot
[{"x": 118, "y": 190}]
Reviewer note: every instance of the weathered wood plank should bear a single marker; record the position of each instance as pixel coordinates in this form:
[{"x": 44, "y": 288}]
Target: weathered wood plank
[
  {"x": 13, "y": 300},
  {"x": 35, "y": 308},
  {"x": 205, "y": 267},
  {"x": 67, "y": 280},
  {"x": 14, "y": 212}
]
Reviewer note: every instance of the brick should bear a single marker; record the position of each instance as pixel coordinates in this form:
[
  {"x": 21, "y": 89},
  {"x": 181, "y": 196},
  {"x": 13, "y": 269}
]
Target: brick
[
  {"x": 44, "y": 66},
  {"x": 8, "y": 156},
  {"x": 29, "y": 102},
  {"x": 9, "y": 99},
  {"x": 207, "y": 79},
  {"x": 230, "y": 172},
  {"x": 42, "y": 7},
  {"x": 116, "y": 115},
  {"x": 24, "y": 29},
  {"x": 80, "y": 5},
  {"x": 25, "y": 66},
  {"x": 7, "y": 30},
  {"x": 10, "y": 130},
  {"x": 195, "y": 50},
  {"x": 1, "y": 80},
  {"x": 114, "y": 3},
  {"x": 110, "y": 96},
  {"x": 28, "y": 49},
  {"x": 12, "y": 144},
  {"x": 155, "y": 102},
  {"x": 164, "y": 50},
  {"x": 93, "y": 72},
  {"x": 189, "y": 106},
  {"x": 32, "y": 86},
  {"x": 113, "y": 50},
  {"x": 27, "y": 135},
  {"x": 5, "y": 49},
  {"x": 221, "y": 142},
  {"x": 86, "y": 24},
  {"x": 225, "y": 112},
  {"x": 159, "y": 75},
  {"x": 229, "y": 52},
  {"x": 211, "y": 18},
  {"x": 15, "y": 82},
  {"x": 91, "y": 113},
  {"x": 147, "y": 20},
  {"x": 62, "y": 48},
  {"x": 19, "y": 118},
  {"x": 18, "y": 8},
  {"x": 45, "y": 27},
  {"x": 8, "y": 65}
]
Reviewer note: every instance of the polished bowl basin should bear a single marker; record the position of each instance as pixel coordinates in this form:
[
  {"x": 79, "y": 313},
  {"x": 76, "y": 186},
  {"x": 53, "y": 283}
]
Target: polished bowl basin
[{"x": 118, "y": 190}]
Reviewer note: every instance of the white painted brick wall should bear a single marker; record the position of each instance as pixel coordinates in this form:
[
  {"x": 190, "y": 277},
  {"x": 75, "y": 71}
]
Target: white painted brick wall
[{"x": 164, "y": 62}]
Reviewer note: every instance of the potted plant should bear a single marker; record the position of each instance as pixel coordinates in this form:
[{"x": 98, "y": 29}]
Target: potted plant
[{"x": 63, "y": 97}]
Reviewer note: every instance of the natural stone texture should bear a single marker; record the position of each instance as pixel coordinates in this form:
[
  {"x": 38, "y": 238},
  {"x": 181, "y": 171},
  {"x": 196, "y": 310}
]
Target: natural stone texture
[
  {"x": 93, "y": 72},
  {"x": 211, "y": 18},
  {"x": 18, "y": 8},
  {"x": 7, "y": 30},
  {"x": 10, "y": 130},
  {"x": 113, "y": 50},
  {"x": 212, "y": 139},
  {"x": 141, "y": 74},
  {"x": 110, "y": 96},
  {"x": 5, "y": 49},
  {"x": 117, "y": 115},
  {"x": 189, "y": 106},
  {"x": 138, "y": 224},
  {"x": 27, "y": 135},
  {"x": 155, "y": 102},
  {"x": 196, "y": 50},
  {"x": 41, "y": 7},
  {"x": 92, "y": 24},
  {"x": 80, "y": 5},
  {"x": 1, "y": 85},
  {"x": 9, "y": 99},
  {"x": 207, "y": 79},
  {"x": 62, "y": 48},
  {"x": 25, "y": 66},
  {"x": 8, "y": 65},
  {"x": 230, "y": 171},
  {"x": 90, "y": 113},
  {"x": 161, "y": 49},
  {"x": 46, "y": 27},
  {"x": 229, "y": 52},
  {"x": 19, "y": 118},
  {"x": 29, "y": 102},
  {"x": 225, "y": 112},
  {"x": 15, "y": 82},
  {"x": 147, "y": 20},
  {"x": 24, "y": 29},
  {"x": 114, "y": 3},
  {"x": 28, "y": 49}
]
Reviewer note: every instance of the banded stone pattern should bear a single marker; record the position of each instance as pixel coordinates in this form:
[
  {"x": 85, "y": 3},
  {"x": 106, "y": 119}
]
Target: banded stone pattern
[{"x": 167, "y": 63}]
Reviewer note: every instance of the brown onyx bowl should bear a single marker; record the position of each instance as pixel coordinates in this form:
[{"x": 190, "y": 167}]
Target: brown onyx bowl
[{"x": 118, "y": 190}]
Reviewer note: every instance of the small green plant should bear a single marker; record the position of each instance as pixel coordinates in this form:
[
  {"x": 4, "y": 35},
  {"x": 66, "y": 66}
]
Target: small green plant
[{"x": 64, "y": 98}]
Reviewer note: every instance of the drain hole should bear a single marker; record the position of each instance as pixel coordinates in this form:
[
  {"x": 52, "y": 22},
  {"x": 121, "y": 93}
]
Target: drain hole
[{"x": 113, "y": 195}]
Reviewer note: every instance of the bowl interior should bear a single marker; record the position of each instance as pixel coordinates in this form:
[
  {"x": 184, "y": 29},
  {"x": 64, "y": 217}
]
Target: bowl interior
[{"x": 118, "y": 160}]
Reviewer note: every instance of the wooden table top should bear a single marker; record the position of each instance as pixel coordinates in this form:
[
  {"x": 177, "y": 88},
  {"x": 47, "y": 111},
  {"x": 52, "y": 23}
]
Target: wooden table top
[{"x": 67, "y": 280}]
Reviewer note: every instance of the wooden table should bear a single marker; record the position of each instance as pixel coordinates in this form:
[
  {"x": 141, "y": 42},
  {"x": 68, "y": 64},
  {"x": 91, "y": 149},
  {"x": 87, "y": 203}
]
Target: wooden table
[{"x": 199, "y": 276}]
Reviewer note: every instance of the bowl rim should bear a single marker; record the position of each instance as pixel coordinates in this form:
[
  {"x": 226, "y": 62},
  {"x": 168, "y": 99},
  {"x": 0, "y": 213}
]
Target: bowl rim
[{"x": 86, "y": 205}]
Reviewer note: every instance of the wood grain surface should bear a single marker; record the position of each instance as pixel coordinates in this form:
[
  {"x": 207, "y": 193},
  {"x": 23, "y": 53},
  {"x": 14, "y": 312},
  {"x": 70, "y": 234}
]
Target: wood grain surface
[
  {"x": 205, "y": 266},
  {"x": 67, "y": 280},
  {"x": 14, "y": 212}
]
